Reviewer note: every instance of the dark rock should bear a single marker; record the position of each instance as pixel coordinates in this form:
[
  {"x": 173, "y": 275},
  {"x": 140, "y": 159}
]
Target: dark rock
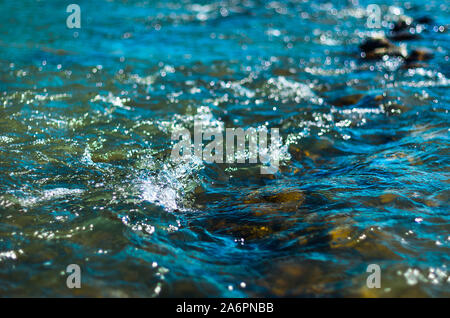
[
  {"x": 419, "y": 55},
  {"x": 402, "y": 24},
  {"x": 295, "y": 197},
  {"x": 395, "y": 108},
  {"x": 413, "y": 65},
  {"x": 269, "y": 201},
  {"x": 283, "y": 72},
  {"x": 347, "y": 100},
  {"x": 377, "y": 47},
  {"x": 424, "y": 20},
  {"x": 403, "y": 30},
  {"x": 374, "y": 43},
  {"x": 404, "y": 36}
]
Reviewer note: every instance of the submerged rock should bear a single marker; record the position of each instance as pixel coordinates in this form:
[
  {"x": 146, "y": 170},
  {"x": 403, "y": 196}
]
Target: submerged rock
[
  {"x": 365, "y": 100},
  {"x": 404, "y": 36},
  {"x": 403, "y": 30},
  {"x": 341, "y": 237},
  {"x": 367, "y": 243},
  {"x": 402, "y": 24},
  {"x": 374, "y": 43},
  {"x": 293, "y": 277},
  {"x": 347, "y": 100},
  {"x": 425, "y": 20},
  {"x": 248, "y": 230},
  {"x": 419, "y": 55},
  {"x": 394, "y": 108},
  {"x": 377, "y": 47},
  {"x": 109, "y": 157},
  {"x": 252, "y": 232},
  {"x": 290, "y": 198},
  {"x": 269, "y": 202}
]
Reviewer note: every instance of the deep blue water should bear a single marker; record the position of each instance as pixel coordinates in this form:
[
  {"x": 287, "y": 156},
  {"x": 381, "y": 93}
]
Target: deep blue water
[{"x": 86, "y": 117}]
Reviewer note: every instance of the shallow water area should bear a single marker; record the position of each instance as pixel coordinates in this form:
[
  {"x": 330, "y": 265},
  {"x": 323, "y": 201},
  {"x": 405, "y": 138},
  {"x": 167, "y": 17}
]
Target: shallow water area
[{"x": 85, "y": 141}]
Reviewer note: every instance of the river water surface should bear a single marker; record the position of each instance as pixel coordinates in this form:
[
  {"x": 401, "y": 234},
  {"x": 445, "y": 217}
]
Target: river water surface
[{"x": 86, "y": 117}]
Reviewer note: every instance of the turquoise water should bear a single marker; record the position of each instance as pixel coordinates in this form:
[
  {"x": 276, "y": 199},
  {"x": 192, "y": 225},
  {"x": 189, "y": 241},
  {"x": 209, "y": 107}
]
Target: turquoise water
[{"x": 85, "y": 171}]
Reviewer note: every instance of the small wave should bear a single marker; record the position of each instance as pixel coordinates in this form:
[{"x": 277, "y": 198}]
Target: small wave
[
  {"x": 283, "y": 89},
  {"x": 47, "y": 195}
]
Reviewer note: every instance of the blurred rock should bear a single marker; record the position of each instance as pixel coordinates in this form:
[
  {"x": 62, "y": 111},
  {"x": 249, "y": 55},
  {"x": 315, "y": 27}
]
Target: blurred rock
[
  {"x": 286, "y": 200},
  {"x": 404, "y": 36},
  {"x": 295, "y": 277},
  {"x": 403, "y": 30},
  {"x": 347, "y": 100},
  {"x": 419, "y": 55},
  {"x": 374, "y": 43},
  {"x": 424, "y": 20},
  {"x": 377, "y": 47}
]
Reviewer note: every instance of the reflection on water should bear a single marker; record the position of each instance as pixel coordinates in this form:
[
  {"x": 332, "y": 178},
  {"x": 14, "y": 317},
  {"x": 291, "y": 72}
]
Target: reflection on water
[{"x": 86, "y": 176}]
